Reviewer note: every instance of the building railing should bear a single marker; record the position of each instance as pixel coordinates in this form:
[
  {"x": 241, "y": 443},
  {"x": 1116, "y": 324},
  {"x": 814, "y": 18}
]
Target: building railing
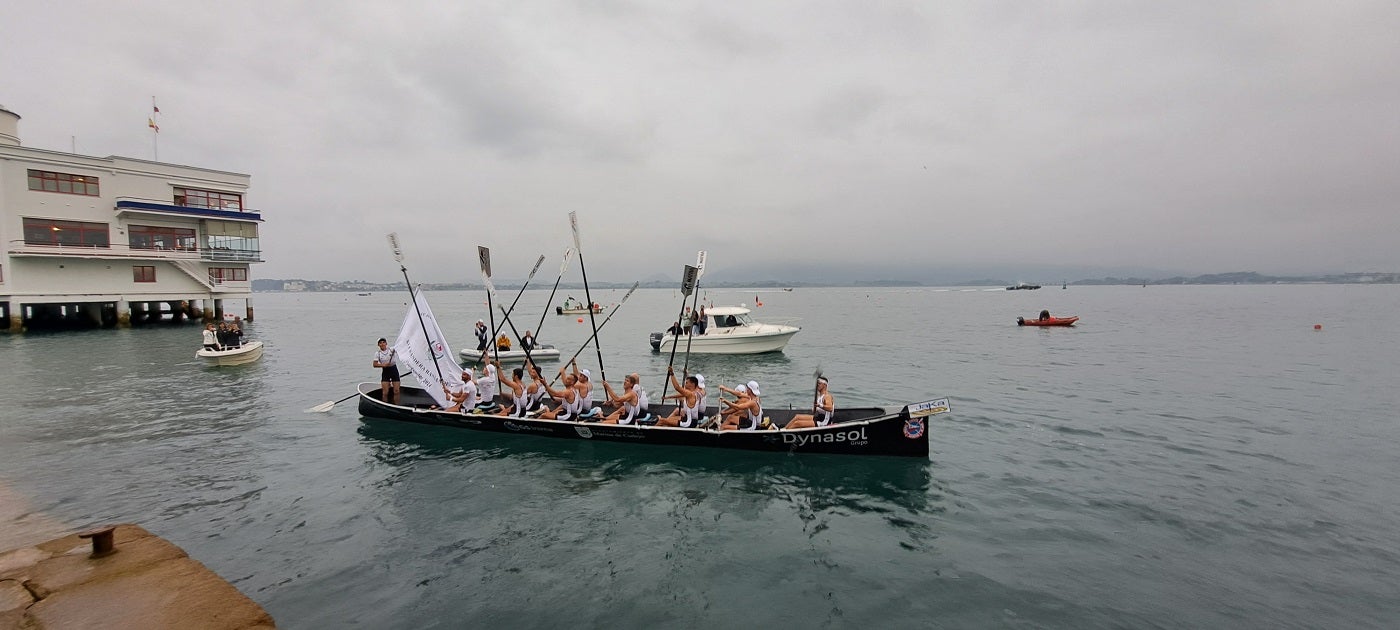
[
  {"x": 230, "y": 254},
  {"x": 20, "y": 247}
]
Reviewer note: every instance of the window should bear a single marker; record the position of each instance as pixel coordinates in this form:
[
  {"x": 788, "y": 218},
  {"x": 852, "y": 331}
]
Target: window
[
  {"x": 63, "y": 183},
  {"x": 143, "y": 273},
  {"x": 192, "y": 198},
  {"x": 156, "y": 237},
  {"x": 220, "y": 275},
  {"x": 65, "y": 233}
]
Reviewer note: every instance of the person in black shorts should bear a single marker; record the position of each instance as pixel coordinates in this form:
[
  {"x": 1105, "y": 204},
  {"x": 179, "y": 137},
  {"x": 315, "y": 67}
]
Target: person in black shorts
[{"x": 389, "y": 372}]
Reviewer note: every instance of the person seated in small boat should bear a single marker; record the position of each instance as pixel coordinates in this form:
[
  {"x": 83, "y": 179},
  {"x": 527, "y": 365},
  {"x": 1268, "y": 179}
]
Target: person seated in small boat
[
  {"x": 519, "y": 404},
  {"x": 676, "y": 330},
  {"x": 463, "y": 397},
  {"x": 527, "y": 341},
  {"x": 535, "y": 391},
  {"x": 824, "y": 405},
  {"x": 583, "y": 383},
  {"x": 688, "y": 413},
  {"x": 503, "y": 343},
  {"x": 746, "y": 412},
  {"x": 632, "y": 406},
  {"x": 566, "y": 397},
  {"x": 211, "y": 338},
  {"x": 489, "y": 386},
  {"x": 1045, "y": 315}
]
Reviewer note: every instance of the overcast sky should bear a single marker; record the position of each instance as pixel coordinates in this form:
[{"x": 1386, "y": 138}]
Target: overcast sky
[{"x": 858, "y": 140}]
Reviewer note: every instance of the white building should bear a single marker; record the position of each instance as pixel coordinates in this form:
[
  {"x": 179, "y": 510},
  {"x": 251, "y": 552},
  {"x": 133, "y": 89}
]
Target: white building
[{"x": 112, "y": 241}]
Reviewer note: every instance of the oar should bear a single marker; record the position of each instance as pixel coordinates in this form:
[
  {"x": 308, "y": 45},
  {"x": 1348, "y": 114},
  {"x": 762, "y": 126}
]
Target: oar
[
  {"x": 326, "y": 406},
  {"x": 688, "y": 278},
  {"x": 690, "y": 330},
  {"x": 485, "y": 255},
  {"x": 562, "y": 266},
  {"x": 573, "y": 223},
  {"x": 600, "y": 327},
  {"x": 508, "y": 311}
]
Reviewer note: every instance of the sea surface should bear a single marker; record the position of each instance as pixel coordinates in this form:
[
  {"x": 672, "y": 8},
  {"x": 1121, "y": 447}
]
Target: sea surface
[{"x": 1185, "y": 457}]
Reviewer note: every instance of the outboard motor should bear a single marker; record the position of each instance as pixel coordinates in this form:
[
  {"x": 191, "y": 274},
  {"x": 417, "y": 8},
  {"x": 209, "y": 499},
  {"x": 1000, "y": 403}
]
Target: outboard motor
[{"x": 656, "y": 340}]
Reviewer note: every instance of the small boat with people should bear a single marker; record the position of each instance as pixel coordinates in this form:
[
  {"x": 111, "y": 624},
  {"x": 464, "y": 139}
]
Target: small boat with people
[
  {"x": 900, "y": 431},
  {"x": 1046, "y": 320},
  {"x": 726, "y": 330},
  {"x": 1021, "y": 286},
  {"x": 572, "y": 306},
  {"x": 542, "y": 352},
  {"x": 248, "y": 352}
]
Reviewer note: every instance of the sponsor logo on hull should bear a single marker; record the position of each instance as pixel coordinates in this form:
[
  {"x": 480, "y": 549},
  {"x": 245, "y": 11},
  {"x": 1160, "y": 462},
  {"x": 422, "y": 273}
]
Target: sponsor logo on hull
[
  {"x": 855, "y": 437},
  {"x": 929, "y": 408}
]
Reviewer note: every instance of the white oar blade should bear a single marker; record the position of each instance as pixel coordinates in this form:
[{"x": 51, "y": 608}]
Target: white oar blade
[{"x": 322, "y": 408}]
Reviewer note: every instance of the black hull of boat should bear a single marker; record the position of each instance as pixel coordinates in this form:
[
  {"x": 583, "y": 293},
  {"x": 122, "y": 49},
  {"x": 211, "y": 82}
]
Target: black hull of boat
[{"x": 872, "y": 431}]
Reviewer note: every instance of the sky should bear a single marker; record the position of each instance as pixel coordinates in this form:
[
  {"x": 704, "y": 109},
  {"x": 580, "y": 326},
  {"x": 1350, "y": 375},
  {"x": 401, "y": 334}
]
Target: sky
[{"x": 932, "y": 141}]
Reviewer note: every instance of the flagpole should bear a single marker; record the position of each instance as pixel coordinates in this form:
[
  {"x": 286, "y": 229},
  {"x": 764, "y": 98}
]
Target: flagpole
[
  {"x": 398, "y": 258},
  {"x": 155, "y": 139}
]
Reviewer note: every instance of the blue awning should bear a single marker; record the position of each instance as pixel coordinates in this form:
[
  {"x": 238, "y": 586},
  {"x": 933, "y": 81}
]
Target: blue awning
[{"x": 189, "y": 211}]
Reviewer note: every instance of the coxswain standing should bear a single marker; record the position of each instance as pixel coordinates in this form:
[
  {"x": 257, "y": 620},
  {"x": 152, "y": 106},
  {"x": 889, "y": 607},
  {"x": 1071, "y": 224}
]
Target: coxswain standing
[{"x": 388, "y": 371}]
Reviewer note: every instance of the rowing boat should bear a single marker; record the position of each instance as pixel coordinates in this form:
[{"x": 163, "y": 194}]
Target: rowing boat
[{"x": 899, "y": 431}]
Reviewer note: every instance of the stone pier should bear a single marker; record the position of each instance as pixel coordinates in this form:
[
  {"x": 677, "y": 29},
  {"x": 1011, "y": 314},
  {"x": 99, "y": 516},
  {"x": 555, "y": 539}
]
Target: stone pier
[{"x": 115, "y": 578}]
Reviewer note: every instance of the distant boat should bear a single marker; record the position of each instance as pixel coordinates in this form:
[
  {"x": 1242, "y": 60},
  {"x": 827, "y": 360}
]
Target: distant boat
[
  {"x": 1064, "y": 285},
  {"x": 730, "y": 331},
  {"x": 1023, "y": 287},
  {"x": 1048, "y": 321},
  {"x": 361, "y": 294},
  {"x": 575, "y": 307}
]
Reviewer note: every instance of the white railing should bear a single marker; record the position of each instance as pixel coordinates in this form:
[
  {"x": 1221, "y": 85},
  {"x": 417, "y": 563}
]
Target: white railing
[{"x": 22, "y": 248}]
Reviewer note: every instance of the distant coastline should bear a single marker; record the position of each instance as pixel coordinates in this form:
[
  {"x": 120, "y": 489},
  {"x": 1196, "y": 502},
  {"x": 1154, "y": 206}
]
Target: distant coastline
[{"x": 298, "y": 285}]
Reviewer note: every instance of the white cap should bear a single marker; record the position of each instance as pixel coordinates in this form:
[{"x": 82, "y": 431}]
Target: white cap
[
  {"x": 700, "y": 379},
  {"x": 481, "y": 321},
  {"x": 467, "y": 370},
  {"x": 586, "y": 374},
  {"x": 741, "y": 389},
  {"x": 753, "y": 387}
]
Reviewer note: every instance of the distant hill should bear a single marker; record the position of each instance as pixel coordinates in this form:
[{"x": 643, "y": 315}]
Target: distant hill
[{"x": 1238, "y": 277}]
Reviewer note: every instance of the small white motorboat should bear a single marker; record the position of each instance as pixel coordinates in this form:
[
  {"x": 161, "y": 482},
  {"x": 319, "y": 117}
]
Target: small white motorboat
[
  {"x": 544, "y": 352},
  {"x": 249, "y": 352},
  {"x": 575, "y": 307},
  {"x": 730, "y": 330}
]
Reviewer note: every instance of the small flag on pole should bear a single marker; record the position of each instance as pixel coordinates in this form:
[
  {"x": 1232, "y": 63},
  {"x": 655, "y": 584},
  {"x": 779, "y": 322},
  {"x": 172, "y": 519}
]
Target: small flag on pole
[{"x": 150, "y": 122}]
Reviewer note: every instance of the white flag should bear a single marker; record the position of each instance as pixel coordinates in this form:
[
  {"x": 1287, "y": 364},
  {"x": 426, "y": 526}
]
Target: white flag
[{"x": 419, "y": 353}]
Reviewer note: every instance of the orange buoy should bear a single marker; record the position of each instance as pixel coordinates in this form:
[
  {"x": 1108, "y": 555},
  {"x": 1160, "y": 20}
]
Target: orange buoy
[
  {"x": 1317, "y": 326},
  {"x": 580, "y": 320}
]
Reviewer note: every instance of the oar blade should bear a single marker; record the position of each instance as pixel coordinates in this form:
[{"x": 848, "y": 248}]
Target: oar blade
[{"x": 321, "y": 408}]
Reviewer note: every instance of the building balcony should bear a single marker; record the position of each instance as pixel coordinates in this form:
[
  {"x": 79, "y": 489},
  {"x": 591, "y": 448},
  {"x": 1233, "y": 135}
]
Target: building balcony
[
  {"x": 19, "y": 248},
  {"x": 131, "y": 205}
]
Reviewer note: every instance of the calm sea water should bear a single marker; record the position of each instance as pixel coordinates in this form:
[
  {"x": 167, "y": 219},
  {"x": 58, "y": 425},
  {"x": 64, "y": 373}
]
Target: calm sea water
[{"x": 1186, "y": 457}]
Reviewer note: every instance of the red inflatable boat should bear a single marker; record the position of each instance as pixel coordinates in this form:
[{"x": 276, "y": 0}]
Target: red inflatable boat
[{"x": 1053, "y": 321}]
